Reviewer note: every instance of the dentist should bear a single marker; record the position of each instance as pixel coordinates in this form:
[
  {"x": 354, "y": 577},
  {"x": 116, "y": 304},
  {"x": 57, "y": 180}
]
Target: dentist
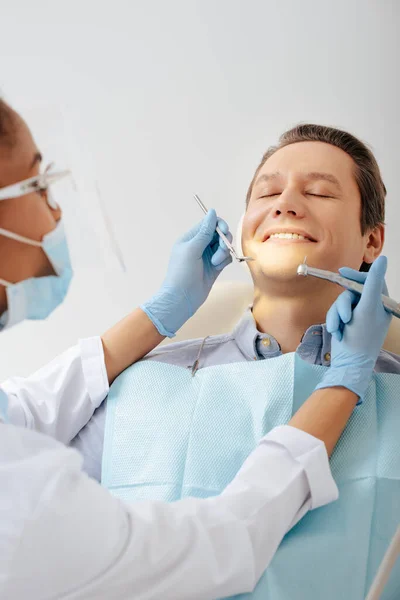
[{"x": 61, "y": 533}]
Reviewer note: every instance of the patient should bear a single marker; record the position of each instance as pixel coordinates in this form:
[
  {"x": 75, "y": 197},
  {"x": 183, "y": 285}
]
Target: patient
[
  {"x": 169, "y": 435},
  {"x": 317, "y": 193}
]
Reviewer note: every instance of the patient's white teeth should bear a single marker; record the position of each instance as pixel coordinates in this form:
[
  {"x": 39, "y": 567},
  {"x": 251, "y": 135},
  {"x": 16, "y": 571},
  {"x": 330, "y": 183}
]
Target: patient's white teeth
[{"x": 288, "y": 236}]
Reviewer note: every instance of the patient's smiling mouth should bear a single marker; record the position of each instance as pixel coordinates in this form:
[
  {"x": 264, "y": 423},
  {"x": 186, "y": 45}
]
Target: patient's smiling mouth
[{"x": 288, "y": 235}]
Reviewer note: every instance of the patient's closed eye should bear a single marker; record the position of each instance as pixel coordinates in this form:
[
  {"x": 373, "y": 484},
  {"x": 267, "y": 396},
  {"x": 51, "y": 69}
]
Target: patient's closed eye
[
  {"x": 318, "y": 195},
  {"x": 270, "y": 194},
  {"x": 275, "y": 193}
]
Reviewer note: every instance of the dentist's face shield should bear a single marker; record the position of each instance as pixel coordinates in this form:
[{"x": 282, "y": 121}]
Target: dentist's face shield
[
  {"x": 39, "y": 183},
  {"x": 71, "y": 245}
]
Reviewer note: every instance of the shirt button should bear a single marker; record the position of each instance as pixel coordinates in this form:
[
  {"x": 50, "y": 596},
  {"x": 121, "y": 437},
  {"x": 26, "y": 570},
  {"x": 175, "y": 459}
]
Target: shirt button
[
  {"x": 327, "y": 357},
  {"x": 266, "y": 342}
]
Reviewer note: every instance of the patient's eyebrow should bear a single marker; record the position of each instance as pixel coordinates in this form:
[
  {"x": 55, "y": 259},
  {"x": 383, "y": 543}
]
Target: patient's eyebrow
[
  {"x": 312, "y": 176},
  {"x": 265, "y": 177},
  {"x": 318, "y": 176}
]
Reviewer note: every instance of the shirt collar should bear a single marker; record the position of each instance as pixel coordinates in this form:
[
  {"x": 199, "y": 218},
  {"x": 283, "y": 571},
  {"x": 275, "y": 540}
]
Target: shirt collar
[{"x": 315, "y": 344}]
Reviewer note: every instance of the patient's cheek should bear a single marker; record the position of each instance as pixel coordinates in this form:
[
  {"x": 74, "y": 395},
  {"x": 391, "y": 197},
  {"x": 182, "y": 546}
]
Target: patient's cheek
[
  {"x": 249, "y": 227},
  {"x": 255, "y": 220}
]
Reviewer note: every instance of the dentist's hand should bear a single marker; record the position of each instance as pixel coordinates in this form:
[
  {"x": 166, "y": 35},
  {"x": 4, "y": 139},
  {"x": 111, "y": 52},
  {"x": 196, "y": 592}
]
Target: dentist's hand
[
  {"x": 195, "y": 263},
  {"x": 341, "y": 311},
  {"x": 359, "y": 326}
]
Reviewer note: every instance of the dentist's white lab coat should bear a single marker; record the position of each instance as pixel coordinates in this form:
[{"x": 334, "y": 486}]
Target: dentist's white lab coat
[{"x": 63, "y": 536}]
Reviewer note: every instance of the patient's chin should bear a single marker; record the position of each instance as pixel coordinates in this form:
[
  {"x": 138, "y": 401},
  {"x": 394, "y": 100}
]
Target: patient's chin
[{"x": 280, "y": 264}]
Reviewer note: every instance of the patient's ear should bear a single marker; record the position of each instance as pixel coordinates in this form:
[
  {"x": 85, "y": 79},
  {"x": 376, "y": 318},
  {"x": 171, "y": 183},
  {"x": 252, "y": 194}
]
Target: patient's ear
[{"x": 374, "y": 241}]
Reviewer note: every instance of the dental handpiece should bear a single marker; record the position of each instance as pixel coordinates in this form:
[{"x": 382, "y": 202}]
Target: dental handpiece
[{"x": 391, "y": 305}]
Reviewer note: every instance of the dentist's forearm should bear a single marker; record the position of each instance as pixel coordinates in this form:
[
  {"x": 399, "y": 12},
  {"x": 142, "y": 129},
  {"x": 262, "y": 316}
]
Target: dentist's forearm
[
  {"x": 325, "y": 414},
  {"x": 190, "y": 276},
  {"x": 128, "y": 341}
]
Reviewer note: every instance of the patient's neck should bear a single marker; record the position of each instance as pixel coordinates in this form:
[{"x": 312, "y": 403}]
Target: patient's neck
[{"x": 287, "y": 316}]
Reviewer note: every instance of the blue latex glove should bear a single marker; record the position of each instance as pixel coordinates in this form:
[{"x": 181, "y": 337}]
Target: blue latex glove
[
  {"x": 195, "y": 263},
  {"x": 341, "y": 311},
  {"x": 359, "y": 325}
]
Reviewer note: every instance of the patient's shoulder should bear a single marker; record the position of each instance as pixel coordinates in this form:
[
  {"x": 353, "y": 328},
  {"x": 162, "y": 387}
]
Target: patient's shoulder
[
  {"x": 186, "y": 352},
  {"x": 388, "y": 362}
]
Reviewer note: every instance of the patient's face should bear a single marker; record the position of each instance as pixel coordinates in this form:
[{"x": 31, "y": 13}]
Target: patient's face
[{"x": 307, "y": 189}]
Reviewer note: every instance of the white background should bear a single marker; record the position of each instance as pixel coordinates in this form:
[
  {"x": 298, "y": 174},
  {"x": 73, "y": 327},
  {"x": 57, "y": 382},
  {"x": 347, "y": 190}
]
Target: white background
[{"x": 175, "y": 97}]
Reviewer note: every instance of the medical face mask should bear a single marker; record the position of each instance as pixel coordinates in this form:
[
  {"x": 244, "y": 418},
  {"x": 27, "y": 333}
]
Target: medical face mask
[{"x": 37, "y": 297}]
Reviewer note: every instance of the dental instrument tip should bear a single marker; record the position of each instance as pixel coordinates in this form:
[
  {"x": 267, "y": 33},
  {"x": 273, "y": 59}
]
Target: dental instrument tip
[{"x": 302, "y": 269}]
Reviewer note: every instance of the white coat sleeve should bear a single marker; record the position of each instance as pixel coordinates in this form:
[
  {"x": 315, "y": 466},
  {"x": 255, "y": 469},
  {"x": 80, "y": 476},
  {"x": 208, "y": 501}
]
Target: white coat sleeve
[
  {"x": 61, "y": 397},
  {"x": 63, "y": 536}
]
